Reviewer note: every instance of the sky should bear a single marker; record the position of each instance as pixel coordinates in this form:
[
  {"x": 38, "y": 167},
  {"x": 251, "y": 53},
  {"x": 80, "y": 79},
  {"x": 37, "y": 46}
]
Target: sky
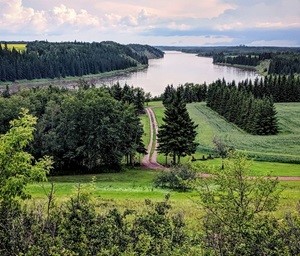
[{"x": 154, "y": 22}]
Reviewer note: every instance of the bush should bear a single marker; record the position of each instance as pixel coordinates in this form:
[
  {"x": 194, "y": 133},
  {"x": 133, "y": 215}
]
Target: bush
[
  {"x": 76, "y": 228},
  {"x": 179, "y": 178}
]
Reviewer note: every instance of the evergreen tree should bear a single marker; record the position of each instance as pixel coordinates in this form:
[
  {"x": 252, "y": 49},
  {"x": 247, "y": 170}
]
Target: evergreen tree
[{"x": 177, "y": 135}]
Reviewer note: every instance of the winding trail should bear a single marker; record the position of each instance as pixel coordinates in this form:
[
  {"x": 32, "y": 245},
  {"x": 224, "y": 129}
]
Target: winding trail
[{"x": 150, "y": 160}]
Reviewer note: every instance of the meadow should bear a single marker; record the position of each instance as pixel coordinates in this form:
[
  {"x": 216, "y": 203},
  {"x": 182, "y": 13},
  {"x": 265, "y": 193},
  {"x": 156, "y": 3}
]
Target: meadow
[
  {"x": 129, "y": 189},
  {"x": 284, "y": 147},
  {"x": 18, "y": 47}
]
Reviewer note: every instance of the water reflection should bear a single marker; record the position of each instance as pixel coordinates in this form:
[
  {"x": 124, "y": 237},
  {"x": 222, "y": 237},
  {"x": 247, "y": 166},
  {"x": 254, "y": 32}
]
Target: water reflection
[{"x": 178, "y": 68}]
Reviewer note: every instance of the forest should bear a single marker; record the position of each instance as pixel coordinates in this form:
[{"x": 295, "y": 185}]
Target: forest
[
  {"x": 42, "y": 59},
  {"x": 84, "y": 130}
]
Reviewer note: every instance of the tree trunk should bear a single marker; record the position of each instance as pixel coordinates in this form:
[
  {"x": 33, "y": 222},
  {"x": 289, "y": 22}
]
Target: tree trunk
[{"x": 174, "y": 158}]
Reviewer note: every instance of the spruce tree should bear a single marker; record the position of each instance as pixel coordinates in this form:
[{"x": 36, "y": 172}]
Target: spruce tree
[{"x": 177, "y": 135}]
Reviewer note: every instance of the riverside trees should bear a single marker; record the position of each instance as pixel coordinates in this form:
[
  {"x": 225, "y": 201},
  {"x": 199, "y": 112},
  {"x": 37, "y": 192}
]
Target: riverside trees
[{"x": 177, "y": 135}]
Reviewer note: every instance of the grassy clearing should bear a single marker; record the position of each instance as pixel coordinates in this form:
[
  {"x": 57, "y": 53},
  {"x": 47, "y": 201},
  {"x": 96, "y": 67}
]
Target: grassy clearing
[
  {"x": 130, "y": 188},
  {"x": 18, "y": 47},
  {"x": 124, "y": 190}
]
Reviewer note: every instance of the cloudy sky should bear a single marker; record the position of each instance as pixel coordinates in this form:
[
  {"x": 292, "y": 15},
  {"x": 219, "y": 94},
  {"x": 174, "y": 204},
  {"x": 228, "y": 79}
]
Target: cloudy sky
[{"x": 154, "y": 22}]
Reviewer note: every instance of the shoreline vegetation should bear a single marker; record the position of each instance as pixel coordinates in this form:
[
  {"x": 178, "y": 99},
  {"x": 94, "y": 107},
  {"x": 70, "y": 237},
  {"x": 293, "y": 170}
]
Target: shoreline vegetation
[{"x": 71, "y": 81}]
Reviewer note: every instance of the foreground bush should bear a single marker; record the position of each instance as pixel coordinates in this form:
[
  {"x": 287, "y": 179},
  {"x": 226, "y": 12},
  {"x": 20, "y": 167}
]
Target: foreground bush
[
  {"x": 238, "y": 216},
  {"x": 76, "y": 228},
  {"x": 180, "y": 178}
]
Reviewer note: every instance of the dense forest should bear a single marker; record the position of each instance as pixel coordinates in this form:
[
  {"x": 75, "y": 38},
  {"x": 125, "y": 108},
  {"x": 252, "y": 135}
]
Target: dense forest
[
  {"x": 280, "y": 88},
  {"x": 283, "y": 64},
  {"x": 90, "y": 129},
  {"x": 54, "y": 60},
  {"x": 247, "y": 60},
  {"x": 256, "y": 116}
]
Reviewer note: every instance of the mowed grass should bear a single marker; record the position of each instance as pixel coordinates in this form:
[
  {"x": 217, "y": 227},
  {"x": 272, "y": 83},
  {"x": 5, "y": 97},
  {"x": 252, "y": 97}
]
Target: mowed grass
[{"x": 18, "y": 47}]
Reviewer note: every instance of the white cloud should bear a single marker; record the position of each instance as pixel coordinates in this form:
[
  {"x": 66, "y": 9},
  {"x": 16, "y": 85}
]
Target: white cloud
[
  {"x": 64, "y": 15},
  {"x": 138, "y": 20},
  {"x": 14, "y": 17}
]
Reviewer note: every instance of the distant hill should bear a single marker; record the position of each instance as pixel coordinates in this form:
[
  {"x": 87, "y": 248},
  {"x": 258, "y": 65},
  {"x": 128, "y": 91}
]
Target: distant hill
[
  {"x": 43, "y": 59},
  {"x": 147, "y": 50}
]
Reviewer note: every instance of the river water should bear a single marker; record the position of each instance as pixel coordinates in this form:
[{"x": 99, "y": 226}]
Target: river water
[{"x": 178, "y": 68}]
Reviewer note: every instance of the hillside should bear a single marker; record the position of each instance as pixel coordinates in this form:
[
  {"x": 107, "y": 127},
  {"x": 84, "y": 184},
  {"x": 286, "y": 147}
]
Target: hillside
[
  {"x": 58, "y": 60},
  {"x": 147, "y": 50}
]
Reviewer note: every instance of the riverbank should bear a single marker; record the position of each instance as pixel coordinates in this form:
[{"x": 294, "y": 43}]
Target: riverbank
[
  {"x": 68, "y": 82},
  {"x": 261, "y": 69}
]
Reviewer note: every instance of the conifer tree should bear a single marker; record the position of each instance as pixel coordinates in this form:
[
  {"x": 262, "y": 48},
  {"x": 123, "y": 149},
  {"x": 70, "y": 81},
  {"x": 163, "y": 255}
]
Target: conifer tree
[{"x": 177, "y": 135}]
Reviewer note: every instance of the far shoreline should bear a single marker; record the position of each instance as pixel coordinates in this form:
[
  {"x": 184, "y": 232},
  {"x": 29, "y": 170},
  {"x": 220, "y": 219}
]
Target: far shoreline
[{"x": 69, "y": 81}]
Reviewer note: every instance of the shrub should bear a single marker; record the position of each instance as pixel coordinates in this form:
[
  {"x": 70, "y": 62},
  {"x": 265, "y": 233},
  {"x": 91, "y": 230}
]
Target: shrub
[{"x": 180, "y": 178}]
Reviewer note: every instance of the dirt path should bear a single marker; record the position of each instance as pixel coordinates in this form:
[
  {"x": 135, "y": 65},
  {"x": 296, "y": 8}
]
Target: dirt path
[
  {"x": 150, "y": 160},
  {"x": 280, "y": 178}
]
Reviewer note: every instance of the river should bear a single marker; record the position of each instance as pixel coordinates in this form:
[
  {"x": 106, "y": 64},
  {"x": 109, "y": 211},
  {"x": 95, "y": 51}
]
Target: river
[{"x": 178, "y": 68}]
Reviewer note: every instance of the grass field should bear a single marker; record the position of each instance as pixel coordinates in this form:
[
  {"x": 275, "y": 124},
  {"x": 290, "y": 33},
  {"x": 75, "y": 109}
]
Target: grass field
[
  {"x": 130, "y": 188},
  {"x": 284, "y": 147},
  {"x": 270, "y": 150},
  {"x": 19, "y": 47}
]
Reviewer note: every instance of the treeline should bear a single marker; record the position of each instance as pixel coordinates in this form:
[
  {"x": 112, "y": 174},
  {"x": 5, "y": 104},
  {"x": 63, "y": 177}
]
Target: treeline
[
  {"x": 256, "y": 116},
  {"x": 210, "y": 51},
  {"x": 54, "y": 60},
  {"x": 91, "y": 129},
  {"x": 280, "y": 63},
  {"x": 280, "y": 88},
  {"x": 285, "y": 64},
  {"x": 189, "y": 92},
  {"x": 246, "y": 60}
]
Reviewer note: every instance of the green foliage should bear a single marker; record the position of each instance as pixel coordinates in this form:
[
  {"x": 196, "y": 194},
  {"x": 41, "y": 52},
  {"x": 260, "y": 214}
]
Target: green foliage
[
  {"x": 49, "y": 60},
  {"x": 76, "y": 228},
  {"x": 180, "y": 178},
  {"x": 237, "y": 207},
  {"x": 84, "y": 130},
  {"x": 177, "y": 134},
  {"x": 18, "y": 167}
]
